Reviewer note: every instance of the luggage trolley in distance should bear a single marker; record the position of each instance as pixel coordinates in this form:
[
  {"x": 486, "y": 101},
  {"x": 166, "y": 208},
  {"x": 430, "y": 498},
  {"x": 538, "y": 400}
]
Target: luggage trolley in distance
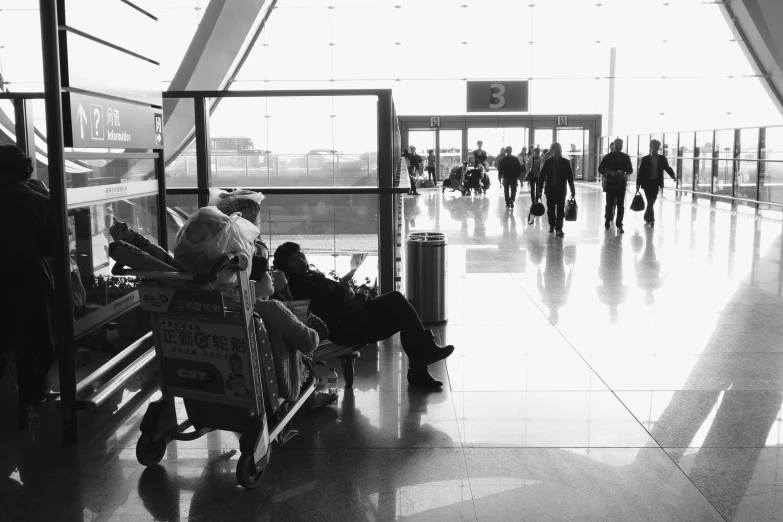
[{"x": 214, "y": 353}]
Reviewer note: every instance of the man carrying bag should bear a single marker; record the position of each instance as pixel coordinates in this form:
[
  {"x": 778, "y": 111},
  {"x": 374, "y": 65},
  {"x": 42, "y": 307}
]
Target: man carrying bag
[
  {"x": 615, "y": 167},
  {"x": 555, "y": 173},
  {"x": 650, "y": 178}
]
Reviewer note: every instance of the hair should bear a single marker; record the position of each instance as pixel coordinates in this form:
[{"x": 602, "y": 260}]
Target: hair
[
  {"x": 536, "y": 150},
  {"x": 655, "y": 141},
  {"x": 618, "y": 140},
  {"x": 14, "y": 163},
  {"x": 283, "y": 253},
  {"x": 509, "y": 149},
  {"x": 556, "y": 145},
  {"x": 430, "y": 151},
  {"x": 260, "y": 267}
]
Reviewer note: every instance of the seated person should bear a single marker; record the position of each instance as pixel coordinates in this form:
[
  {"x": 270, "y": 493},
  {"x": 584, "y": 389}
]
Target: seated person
[
  {"x": 473, "y": 179},
  {"x": 292, "y": 342},
  {"x": 353, "y": 320}
]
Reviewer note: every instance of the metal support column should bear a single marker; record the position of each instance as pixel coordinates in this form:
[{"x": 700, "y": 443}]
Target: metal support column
[
  {"x": 437, "y": 152},
  {"x": 386, "y": 217},
  {"x": 58, "y": 208},
  {"x": 25, "y": 129},
  {"x": 160, "y": 172},
  {"x": 203, "y": 146}
]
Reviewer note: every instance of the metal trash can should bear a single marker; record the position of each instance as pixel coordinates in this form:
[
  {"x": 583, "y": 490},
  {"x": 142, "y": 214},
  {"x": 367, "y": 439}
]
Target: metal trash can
[{"x": 425, "y": 275}]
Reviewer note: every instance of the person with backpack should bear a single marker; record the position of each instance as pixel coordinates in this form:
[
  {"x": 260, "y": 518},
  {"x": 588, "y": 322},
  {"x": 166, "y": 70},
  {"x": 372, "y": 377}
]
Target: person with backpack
[
  {"x": 555, "y": 173},
  {"x": 650, "y": 179},
  {"x": 509, "y": 169},
  {"x": 615, "y": 167}
]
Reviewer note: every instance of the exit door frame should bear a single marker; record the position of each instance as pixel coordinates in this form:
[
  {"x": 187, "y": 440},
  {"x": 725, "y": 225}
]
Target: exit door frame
[{"x": 590, "y": 122}]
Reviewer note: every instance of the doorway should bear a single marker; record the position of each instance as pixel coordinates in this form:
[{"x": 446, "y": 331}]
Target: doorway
[
  {"x": 574, "y": 143},
  {"x": 495, "y": 139}
]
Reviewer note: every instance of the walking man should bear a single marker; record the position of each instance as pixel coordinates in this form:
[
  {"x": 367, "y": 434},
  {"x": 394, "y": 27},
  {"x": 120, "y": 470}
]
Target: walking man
[
  {"x": 509, "y": 169},
  {"x": 414, "y": 167},
  {"x": 650, "y": 179},
  {"x": 554, "y": 175},
  {"x": 615, "y": 167},
  {"x": 480, "y": 156}
]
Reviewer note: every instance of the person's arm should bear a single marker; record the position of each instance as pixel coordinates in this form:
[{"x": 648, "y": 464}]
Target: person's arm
[
  {"x": 642, "y": 169},
  {"x": 570, "y": 177},
  {"x": 295, "y": 333},
  {"x": 666, "y": 167},
  {"x": 628, "y": 165},
  {"x": 602, "y": 167}
]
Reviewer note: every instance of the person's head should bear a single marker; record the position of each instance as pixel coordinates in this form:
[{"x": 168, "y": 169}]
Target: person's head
[
  {"x": 618, "y": 145},
  {"x": 557, "y": 150},
  {"x": 536, "y": 152},
  {"x": 508, "y": 150},
  {"x": 14, "y": 163},
  {"x": 545, "y": 152},
  {"x": 655, "y": 146},
  {"x": 430, "y": 151},
  {"x": 235, "y": 362},
  {"x": 413, "y": 149},
  {"x": 290, "y": 259},
  {"x": 524, "y": 151},
  {"x": 480, "y": 144}
]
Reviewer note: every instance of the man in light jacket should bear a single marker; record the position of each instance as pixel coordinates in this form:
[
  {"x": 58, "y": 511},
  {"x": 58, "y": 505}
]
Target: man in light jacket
[{"x": 650, "y": 178}]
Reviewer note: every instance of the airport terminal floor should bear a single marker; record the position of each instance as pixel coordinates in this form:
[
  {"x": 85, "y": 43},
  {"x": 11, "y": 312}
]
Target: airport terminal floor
[{"x": 599, "y": 376}]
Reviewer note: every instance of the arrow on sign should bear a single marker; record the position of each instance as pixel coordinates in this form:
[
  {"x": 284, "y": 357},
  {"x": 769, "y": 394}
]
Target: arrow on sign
[{"x": 82, "y": 117}]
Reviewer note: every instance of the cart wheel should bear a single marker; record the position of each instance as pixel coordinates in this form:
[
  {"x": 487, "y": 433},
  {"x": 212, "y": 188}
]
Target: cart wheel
[
  {"x": 149, "y": 452},
  {"x": 248, "y": 474}
]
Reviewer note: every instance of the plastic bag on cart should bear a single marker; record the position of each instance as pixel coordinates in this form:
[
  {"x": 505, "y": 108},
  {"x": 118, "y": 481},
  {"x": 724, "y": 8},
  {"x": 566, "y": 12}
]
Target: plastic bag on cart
[
  {"x": 120, "y": 231},
  {"x": 246, "y": 202},
  {"x": 208, "y": 235}
]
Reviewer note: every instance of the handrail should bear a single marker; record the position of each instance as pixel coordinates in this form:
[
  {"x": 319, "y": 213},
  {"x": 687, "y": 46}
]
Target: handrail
[
  {"x": 276, "y": 93},
  {"x": 119, "y": 380},
  {"x": 296, "y": 190},
  {"x": 112, "y": 363}
]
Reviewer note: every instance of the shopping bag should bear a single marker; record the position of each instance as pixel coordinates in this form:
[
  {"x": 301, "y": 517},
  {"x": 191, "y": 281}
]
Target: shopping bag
[
  {"x": 637, "y": 205},
  {"x": 571, "y": 209}
]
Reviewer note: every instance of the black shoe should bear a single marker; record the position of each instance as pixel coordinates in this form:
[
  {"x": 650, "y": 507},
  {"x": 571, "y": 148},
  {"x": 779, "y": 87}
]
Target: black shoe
[
  {"x": 551, "y": 229},
  {"x": 652, "y": 223},
  {"x": 424, "y": 345},
  {"x": 560, "y": 233},
  {"x": 606, "y": 224},
  {"x": 620, "y": 229},
  {"x": 512, "y": 206},
  {"x": 530, "y": 219},
  {"x": 421, "y": 377}
]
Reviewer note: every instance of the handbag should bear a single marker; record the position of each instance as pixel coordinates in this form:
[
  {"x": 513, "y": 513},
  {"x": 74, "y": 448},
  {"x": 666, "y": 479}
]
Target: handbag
[
  {"x": 537, "y": 209},
  {"x": 637, "y": 205},
  {"x": 571, "y": 209}
]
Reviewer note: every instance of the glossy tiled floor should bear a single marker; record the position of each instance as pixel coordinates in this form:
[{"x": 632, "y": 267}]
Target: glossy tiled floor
[{"x": 597, "y": 377}]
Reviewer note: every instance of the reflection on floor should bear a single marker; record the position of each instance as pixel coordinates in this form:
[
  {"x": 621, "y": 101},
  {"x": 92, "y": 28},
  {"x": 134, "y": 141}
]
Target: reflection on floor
[{"x": 599, "y": 376}]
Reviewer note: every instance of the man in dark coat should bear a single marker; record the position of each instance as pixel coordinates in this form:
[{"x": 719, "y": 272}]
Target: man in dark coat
[
  {"x": 650, "y": 178},
  {"x": 555, "y": 173},
  {"x": 27, "y": 306},
  {"x": 615, "y": 167},
  {"x": 510, "y": 169}
]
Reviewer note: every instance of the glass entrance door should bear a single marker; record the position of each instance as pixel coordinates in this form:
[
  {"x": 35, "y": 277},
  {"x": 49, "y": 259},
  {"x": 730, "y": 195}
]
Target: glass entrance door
[
  {"x": 573, "y": 141},
  {"x": 495, "y": 139}
]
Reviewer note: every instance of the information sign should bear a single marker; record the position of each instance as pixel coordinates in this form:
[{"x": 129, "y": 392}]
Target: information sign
[
  {"x": 497, "y": 96},
  {"x": 434, "y": 121},
  {"x": 562, "y": 121},
  {"x": 99, "y": 122}
]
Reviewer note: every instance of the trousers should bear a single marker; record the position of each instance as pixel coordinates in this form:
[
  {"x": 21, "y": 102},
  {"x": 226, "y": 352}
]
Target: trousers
[
  {"x": 510, "y": 190},
  {"x": 651, "y": 194},
  {"x": 615, "y": 197},
  {"x": 555, "y": 207}
]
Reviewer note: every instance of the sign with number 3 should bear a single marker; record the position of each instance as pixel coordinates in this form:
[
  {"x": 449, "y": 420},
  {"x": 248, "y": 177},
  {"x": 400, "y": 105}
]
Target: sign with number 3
[{"x": 497, "y": 96}]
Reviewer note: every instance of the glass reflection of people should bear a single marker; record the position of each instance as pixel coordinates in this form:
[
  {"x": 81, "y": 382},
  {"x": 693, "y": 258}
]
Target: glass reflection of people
[
  {"x": 555, "y": 284},
  {"x": 611, "y": 292},
  {"x": 353, "y": 320},
  {"x": 648, "y": 269},
  {"x": 27, "y": 313}
]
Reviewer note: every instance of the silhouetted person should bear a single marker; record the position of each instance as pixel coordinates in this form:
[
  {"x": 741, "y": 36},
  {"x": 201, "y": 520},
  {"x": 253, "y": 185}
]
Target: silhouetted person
[
  {"x": 615, "y": 167},
  {"x": 555, "y": 174},
  {"x": 510, "y": 170},
  {"x": 650, "y": 178}
]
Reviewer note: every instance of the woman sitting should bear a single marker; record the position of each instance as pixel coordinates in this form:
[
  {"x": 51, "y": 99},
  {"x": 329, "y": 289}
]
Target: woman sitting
[
  {"x": 353, "y": 320},
  {"x": 292, "y": 342}
]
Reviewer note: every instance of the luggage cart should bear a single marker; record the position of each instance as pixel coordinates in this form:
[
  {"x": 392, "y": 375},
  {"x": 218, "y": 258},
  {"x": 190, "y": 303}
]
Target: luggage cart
[{"x": 213, "y": 352}]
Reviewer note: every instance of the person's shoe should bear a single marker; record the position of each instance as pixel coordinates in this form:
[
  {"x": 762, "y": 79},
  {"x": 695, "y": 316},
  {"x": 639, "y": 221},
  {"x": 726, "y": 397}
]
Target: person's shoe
[
  {"x": 421, "y": 377},
  {"x": 620, "y": 229},
  {"x": 426, "y": 349},
  {"x": 606, "y": 224},
  {"x": 530, "y": 219},
  {"x": 560, "y": 233},
  {"x": 512, "y": 206},
  {"x": 551, "y": 229}
]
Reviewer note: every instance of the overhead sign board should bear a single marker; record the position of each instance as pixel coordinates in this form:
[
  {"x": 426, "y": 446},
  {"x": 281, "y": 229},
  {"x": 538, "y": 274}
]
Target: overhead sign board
[
  {"x": 88, "y": 65},
  {"x": 497, "y": 96},
  {"x": 93, "y": 122},
  {"x": 562, "y": 121},
  {"x": 434, "y": 121},
  {"x": 116, "y": 22}
]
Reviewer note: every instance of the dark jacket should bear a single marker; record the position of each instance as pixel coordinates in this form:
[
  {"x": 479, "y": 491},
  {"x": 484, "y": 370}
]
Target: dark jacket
[
  {"x": 510, "y": 168},
  {"x": 414, "y": 159},
  {"x": 615, "y": 161},
  {"x": 27, "y": 309},
  {"x": 479, "y": 156},
  {"x": 327, "y": 301},
  {"x": 555, "y": 178},
  {"x": 644, "y": 170}
]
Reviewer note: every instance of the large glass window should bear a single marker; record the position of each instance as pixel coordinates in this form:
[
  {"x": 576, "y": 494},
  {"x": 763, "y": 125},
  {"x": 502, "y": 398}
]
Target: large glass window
[
  {"x": 747, "y": 164},
  {"x": 703, "y": 153},
  {"x": 686, "y": 159},
  {"x": 772, "y": 183},
  {"x": 724, "y": 167}
]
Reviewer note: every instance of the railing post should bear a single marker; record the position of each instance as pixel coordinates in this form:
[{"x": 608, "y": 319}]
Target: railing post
[
  {"x": 160, "y": 171},
  {"x": 203, "y": 146}
]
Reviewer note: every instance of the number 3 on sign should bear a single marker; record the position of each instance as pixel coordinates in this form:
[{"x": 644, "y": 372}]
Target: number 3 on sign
[{"x": 497, "y": 100}]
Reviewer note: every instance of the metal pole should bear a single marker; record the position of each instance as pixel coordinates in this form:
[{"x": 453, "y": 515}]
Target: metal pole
[
  {"x": 437, "y": 153},
  {"x": 386, "y": 239},
  {"x": 203, "y": 146},
  {"x": 160, "y": 171},
  {"x": 612, "y": 69},
  {"x": 58, "y": 208}
]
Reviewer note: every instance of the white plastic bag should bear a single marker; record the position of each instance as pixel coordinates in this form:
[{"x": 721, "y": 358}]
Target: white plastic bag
[
  {"x": 247, "y": 202},
  {"x": 209, "y": 234}
]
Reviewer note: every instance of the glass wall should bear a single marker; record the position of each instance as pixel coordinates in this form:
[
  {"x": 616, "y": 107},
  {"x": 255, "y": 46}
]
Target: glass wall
[{"x": 741, "y": 163}]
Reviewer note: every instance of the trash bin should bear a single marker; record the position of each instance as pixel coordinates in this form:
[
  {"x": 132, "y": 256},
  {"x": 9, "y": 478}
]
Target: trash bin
[{"x": 425, "y": 275}]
